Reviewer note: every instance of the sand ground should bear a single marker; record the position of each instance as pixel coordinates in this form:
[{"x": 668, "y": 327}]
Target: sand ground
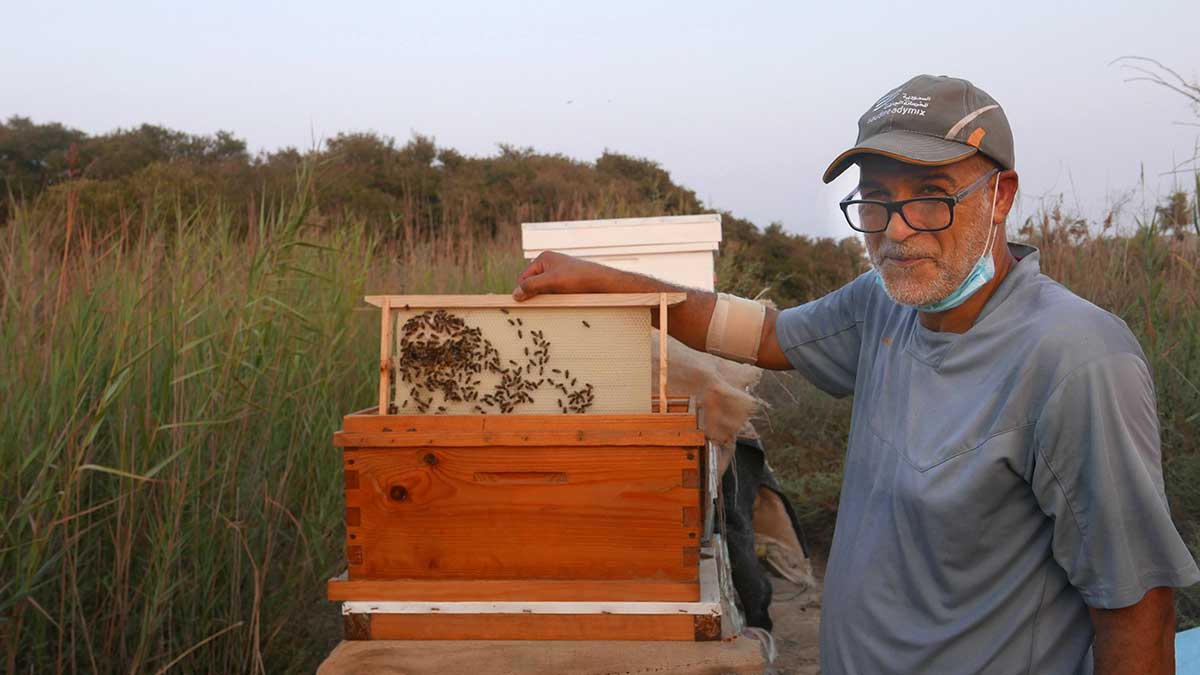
[{"x": 797, "y": 619}]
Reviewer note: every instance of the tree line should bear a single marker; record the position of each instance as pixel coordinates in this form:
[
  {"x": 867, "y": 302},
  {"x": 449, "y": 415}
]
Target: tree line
[{"x": 132, "y": 182}]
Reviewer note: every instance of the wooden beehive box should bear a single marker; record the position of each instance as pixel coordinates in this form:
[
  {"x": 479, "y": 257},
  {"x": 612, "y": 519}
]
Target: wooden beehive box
[{"x": 525, "y": 502}]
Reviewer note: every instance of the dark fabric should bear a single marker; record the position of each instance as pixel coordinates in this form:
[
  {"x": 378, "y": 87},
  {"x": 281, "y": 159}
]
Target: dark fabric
[{"x": 746, "y": 473}]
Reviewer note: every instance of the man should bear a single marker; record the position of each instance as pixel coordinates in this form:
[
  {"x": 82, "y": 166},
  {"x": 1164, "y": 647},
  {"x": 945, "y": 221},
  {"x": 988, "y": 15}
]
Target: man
[{"x": 1002, "y": 509}]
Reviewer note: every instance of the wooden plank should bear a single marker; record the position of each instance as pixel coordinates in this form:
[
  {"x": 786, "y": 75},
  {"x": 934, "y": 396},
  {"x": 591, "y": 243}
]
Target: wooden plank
[
  {"x": 549, "y": 300},
  {"x": 681, "y": 418},
  {"x": 527, "y": 590},
  {"x": 662, "y": 349},
  {"x": 615, "y": 515},
  {"x": 357, "y": 439},
  {"x": 519, "y": 657},
  {"x": 532, "y": 627},
  {"x": 528, "y": 607},
  {"x": 385, "y": 355},
  {"x": 523, "y": 596}
]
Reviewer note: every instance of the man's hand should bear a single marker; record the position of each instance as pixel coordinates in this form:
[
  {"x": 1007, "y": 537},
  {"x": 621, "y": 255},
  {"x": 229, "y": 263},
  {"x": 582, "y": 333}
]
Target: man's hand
[
  {"x": 553, "y": 272},
  {"x": 1137, "y": 639}
]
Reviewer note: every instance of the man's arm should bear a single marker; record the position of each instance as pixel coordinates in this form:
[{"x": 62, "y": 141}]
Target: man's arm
[
  {"x": 1097, "y": 473},
  {"x": 687, "y": 321},
  {"x": 1137, "y": 639}
]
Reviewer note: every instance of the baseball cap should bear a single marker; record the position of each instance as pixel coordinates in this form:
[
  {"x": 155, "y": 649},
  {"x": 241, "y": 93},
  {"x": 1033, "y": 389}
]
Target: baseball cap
[{"x": 931, "y": 121}]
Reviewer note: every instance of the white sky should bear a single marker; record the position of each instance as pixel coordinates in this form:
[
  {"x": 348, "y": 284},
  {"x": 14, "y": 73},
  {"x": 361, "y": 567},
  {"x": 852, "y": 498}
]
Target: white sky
[{"x": 744, "y": 104}]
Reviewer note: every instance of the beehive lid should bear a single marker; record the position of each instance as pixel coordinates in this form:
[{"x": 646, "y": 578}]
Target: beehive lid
[{"x": 623, "y": 236}]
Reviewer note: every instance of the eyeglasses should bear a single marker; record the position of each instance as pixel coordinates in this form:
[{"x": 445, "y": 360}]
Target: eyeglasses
[{"x": 925, "y": 214}]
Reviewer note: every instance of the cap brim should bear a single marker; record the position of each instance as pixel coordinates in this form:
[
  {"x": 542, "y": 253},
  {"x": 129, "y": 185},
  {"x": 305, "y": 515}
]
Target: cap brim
[{"x": 903, "y": 146}]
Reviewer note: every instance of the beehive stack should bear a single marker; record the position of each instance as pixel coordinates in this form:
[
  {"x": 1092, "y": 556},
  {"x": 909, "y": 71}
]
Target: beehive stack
[{"x": 522, "y": 522}]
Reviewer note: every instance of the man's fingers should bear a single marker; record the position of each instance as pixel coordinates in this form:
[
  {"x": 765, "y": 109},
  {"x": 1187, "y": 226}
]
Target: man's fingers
[
  {"x": 530, "y": 286},
  {"x": 543, "y": 275},
  {"x": 538, "y": 266}
]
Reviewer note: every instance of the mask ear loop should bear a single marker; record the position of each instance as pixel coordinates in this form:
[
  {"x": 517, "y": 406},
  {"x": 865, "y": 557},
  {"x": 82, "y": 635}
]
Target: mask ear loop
[{"x": 987, "y": 250}]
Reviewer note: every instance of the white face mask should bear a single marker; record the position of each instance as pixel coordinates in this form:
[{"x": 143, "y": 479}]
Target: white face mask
[{"x": 982, "y": 272}]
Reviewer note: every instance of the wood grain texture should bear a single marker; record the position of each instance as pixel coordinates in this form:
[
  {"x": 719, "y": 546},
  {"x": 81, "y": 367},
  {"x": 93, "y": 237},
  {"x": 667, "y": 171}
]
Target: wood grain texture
[
  {"x": 513, "y": 590},
  {"x": 532, "y": 627},
  {"x": 662, "y": 348},
  {"x": 354, "y": 439},
  {"x": 519, "y": 657},
  {"x": 551, "y": 300},
  {"x": 680, "y": 417},
  {"x": 616, "y": 513},
  {"x": 385, "y": 356},
  {"x": 675, "y": 404}
]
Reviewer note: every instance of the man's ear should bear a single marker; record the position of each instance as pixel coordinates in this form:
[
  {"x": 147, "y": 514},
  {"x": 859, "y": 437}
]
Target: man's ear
[{"x": 1006, "y": 194}]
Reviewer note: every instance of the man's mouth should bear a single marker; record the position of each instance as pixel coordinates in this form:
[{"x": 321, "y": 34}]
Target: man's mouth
[{"x": 905, "y": 262}]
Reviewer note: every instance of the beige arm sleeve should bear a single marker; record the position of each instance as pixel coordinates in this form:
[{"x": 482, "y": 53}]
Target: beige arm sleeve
[{"x": 735, "y": 328}]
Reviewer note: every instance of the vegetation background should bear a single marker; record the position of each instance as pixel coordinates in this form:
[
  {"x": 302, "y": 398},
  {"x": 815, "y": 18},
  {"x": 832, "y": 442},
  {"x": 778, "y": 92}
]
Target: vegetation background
[{"x": 182, "y": 333}]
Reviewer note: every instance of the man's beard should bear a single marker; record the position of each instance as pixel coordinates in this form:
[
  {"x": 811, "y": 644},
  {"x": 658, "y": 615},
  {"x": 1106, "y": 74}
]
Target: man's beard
[{"x": 906, "y": 288}]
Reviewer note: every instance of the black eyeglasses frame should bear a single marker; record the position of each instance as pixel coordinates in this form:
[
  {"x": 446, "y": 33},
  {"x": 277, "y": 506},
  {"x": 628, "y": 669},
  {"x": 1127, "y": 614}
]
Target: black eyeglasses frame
[{"x": 898, "y": 206}]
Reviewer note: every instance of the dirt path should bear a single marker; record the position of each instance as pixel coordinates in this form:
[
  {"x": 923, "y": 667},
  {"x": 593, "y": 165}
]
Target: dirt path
[{"x": 797, "y": 620}]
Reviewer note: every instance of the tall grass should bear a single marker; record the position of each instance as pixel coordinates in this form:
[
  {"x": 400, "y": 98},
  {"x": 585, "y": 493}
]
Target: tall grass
[{"x": 169, "y": 496}]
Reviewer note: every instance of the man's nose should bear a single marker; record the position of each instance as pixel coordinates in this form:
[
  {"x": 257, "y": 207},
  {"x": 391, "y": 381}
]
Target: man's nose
[{"x": 897, "y": 228}]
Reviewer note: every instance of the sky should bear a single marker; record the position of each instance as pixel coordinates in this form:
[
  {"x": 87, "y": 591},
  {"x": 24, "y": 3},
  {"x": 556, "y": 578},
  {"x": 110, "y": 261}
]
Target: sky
[{"x": 745, "y": 103}]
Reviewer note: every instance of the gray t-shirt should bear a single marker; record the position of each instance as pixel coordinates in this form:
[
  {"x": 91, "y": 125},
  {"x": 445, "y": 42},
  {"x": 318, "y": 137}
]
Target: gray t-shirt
[{"x": 997, "y": 482}]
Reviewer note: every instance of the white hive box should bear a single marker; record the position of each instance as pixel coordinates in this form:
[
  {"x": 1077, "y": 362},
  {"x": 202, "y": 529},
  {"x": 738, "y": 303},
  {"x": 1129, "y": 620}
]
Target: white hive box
[{"x": 673, "y": 248}]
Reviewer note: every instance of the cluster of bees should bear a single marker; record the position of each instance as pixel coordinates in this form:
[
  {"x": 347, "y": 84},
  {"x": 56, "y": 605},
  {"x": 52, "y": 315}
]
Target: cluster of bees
[{"x": 441, "y": 354}]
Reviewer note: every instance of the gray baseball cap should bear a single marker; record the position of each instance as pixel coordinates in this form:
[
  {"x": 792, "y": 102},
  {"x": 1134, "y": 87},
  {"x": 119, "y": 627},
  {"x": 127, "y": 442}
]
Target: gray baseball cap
[{"x": 931, "y": 121}]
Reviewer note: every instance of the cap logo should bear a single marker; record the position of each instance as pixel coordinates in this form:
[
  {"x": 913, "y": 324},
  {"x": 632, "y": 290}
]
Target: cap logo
[
  {"x": 887, "y": 98},
  {"x": 900, "y": 103},
  {"x": 958, "y": 126},
  {"x": 976, "y": 137}
]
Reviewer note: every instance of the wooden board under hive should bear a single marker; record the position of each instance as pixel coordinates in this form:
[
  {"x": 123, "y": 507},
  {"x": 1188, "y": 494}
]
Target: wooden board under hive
[{"x": 392, "y": 614}]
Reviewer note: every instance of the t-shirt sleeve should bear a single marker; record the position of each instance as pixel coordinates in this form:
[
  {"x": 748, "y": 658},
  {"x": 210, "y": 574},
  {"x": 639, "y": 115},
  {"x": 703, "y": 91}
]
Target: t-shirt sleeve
[
  {"x": 1098, "y": 474},
  {"x": 821, "y": 339}
]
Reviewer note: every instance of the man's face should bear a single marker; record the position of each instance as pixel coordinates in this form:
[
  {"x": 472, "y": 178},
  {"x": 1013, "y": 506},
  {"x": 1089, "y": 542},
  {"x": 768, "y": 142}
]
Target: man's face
[{"x": 921, "y": 268}]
